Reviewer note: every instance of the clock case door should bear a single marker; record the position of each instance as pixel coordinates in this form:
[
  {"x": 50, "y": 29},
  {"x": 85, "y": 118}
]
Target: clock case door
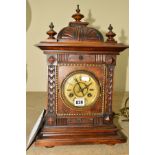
[{"x": 96, "y": 109}]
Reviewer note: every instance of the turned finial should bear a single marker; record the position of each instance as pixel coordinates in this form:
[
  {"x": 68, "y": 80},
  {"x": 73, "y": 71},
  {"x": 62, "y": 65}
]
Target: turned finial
[
  {"x": 110, "y": 28},
  {"x": 51, "y": 32},
  {"x": 78, "y": 16},
  {"x": 110, "y": 35},
  {"x": 78, "y": 10},
  {"x": 51, "y": 26}
]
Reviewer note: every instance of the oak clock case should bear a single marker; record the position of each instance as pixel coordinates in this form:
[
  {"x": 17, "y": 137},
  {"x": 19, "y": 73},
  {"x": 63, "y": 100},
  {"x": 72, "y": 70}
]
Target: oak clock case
[{"x": 80, "y": 86}]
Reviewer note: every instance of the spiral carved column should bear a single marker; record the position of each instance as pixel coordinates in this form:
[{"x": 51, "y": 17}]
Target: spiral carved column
[
  {"x": 110, "y": 65},
  {"x": 51, "y": 95},
  {"x": 109, "y": 91}
]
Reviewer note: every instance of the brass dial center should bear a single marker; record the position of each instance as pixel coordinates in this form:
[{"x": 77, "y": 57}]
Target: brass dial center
[{"x": 80, "y": 89}]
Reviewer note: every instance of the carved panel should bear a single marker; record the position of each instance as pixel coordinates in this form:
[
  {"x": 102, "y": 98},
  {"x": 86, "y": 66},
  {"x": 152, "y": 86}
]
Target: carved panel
[
  {"x": 109, "y": 91},
  {"x": 63, "y": 57},
  {"x": 96, "y": 109},
  {"x": 110, "y": 60},
  {"x": 52, "y": 59},
  {"x": 79, "y": 33},
  {"x": 100, "y": 58},
  {"x": 79, "y": 121},
  {"x": 51, "y": 95},
  {"x": 61, "y": 121},
  {"x": 82, "y": 58},
  {"x": 98, "y": 120}
]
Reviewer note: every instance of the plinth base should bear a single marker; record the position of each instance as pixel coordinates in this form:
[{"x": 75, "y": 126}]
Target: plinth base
[{"x": 54, "y": 136}]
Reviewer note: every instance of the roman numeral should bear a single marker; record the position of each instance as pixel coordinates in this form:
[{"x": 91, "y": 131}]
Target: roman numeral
[{"x": 91, "y": 89}]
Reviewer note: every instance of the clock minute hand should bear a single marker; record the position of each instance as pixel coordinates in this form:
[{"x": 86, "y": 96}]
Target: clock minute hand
[{"x": 86, "y": 86}]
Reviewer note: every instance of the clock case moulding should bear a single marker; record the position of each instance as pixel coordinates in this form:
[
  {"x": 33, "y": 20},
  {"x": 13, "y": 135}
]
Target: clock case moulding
[{"x": 77, "y": 47}]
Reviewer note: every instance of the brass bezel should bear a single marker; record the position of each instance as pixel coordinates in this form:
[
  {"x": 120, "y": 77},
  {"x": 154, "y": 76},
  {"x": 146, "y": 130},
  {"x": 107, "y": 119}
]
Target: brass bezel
[{"x": 66, "y": 102}]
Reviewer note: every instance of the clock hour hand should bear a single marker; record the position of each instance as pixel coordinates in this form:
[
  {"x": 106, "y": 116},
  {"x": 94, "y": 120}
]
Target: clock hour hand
[
  {"x": 87, "y": 86},
  {"x": 81, "y": 90}
]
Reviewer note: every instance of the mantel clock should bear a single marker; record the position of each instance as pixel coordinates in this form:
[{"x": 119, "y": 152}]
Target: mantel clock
[{"x": 80, "y": 86}]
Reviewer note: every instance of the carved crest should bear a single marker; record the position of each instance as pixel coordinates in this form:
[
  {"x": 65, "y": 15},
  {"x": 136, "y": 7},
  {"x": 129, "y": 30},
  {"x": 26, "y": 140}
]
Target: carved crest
[{"x": 79, "y": 33}]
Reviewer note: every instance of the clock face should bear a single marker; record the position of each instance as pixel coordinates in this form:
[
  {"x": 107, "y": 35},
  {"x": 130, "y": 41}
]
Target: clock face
[{"x": 80, "y": 89}]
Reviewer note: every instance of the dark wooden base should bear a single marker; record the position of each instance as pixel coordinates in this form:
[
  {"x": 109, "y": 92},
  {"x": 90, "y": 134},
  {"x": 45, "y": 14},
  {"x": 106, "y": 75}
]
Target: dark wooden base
[{"x": 55, "y": 136}]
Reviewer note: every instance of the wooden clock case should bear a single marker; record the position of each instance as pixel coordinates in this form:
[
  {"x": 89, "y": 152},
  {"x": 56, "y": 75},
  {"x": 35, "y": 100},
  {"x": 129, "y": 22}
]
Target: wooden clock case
[{"x": 79, "y": 47}]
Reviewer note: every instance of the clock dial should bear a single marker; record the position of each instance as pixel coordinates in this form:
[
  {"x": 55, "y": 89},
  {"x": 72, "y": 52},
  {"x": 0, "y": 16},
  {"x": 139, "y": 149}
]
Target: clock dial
[{"x": 80, "y": 89}]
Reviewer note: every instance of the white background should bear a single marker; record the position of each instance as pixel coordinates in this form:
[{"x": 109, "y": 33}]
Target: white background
[{"x": 13, "y": 77}]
